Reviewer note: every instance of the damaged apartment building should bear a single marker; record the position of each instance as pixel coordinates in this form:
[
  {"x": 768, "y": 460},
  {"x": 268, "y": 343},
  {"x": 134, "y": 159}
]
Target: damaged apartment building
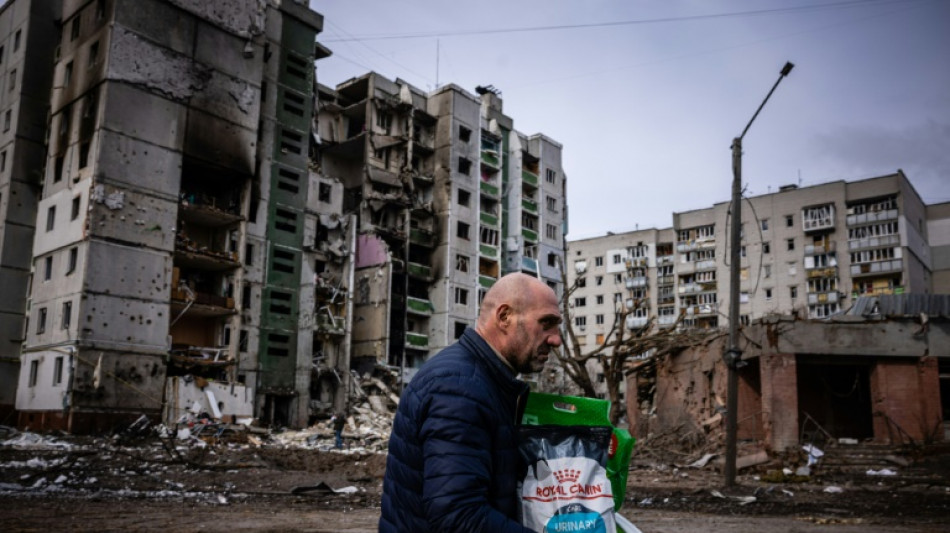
[
  {"x": 808, "y": 255},
  {"x": 190, "y": 224},
  {"x": 449, "y": 197},
  {"x": 176, "y": 214}
]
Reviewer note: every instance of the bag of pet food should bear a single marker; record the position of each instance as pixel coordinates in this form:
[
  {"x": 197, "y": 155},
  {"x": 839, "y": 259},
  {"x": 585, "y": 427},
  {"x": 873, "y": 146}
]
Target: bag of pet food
[
  {"x": 566, "y": 486},
  {"x": 553, "y": 409}
]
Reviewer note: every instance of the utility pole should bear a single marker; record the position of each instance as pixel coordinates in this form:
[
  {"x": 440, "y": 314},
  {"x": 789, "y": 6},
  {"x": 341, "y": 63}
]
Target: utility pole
[{"x": 733, "y": 355}]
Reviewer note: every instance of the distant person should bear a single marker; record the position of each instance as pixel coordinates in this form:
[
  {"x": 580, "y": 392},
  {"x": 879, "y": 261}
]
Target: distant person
[
  {"x": 339, "y": 422},
  {"x": 453, "y": 462}
]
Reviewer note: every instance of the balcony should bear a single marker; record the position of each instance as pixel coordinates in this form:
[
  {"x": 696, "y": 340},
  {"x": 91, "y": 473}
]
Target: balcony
[
  {"x": 665, "y": 280},
  {"x": 689, "y": 288},
  {"x": 819, "y": 249},
  {"x": 877, "y": 267},
  {"x": 529, "y": 177},
  {"x": 705, "y": 264},
  {"x": 530, "y": 236},
  {"x": 691, "y": 246},
  {"x": 883, "y": 241},
  {"x": 490, "y": 158},
  {"x": 421, "y": 237},
  {"x": 815, "y": 298},
  {"x": 529, "y": 264},
  {"x": 636, "y": 322},
  {"x": 486, "y": 281},
  {"x": 665, "y": 321},
  {"x": 529, "y": 206},
  {"x": 417, "y": 341},
  {"x": 823, "y": 272},
  {"x": 419, "y": 306},
  {"x": 818, "y": 218},
  {"x": 700, "y": 310},
  {"x": 874, "y": 216},
  {"x": 636, "y": 262},
  {"x": 420, "y": 271},
  {"x": 664, "y": 260},
  {"x": 636, "y": 282},
  {"x": 665, "y": 299},
  {"x": 488, "y": 219},
  {"x": 487, "y": 250},
  {"x": 329, "y": 325},
  {"x": 488, "y": 189}
]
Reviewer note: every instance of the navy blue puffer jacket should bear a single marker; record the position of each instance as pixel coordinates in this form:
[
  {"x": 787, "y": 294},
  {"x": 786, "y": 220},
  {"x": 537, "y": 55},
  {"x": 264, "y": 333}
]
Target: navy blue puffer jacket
[{"x": 453, "y": 462}]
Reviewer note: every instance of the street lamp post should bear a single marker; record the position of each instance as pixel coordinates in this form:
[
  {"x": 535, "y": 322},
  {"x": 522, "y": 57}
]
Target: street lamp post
[{"x": 733, "y": 354}]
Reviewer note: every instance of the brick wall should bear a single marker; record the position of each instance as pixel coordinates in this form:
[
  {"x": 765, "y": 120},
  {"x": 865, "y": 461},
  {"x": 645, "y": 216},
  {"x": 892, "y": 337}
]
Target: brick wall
[
  {"x": 905, "y": 400},
  {"x": 779, "y": 400}
]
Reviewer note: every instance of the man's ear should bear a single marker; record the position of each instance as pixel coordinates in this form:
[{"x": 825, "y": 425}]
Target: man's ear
[{"x": 504, "y": 315}]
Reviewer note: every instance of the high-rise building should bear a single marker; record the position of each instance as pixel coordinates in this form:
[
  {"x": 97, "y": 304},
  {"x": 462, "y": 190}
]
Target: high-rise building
[
  {"x": 808, "y": 252},
  {"x": 449, "y": 197},
  {"x": 177, "y": 212}
]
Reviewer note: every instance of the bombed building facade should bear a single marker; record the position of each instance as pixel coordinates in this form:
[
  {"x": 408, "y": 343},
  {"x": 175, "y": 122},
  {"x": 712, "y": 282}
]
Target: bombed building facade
[{"x": 217, "y": 231}]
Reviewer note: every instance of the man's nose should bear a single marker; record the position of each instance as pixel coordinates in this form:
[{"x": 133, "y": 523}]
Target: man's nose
[{"x": 555, "y": 339}]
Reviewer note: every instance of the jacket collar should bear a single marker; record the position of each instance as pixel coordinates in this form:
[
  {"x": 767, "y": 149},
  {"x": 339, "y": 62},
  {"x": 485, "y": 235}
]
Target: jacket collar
[{"x": 499, "y": 371}]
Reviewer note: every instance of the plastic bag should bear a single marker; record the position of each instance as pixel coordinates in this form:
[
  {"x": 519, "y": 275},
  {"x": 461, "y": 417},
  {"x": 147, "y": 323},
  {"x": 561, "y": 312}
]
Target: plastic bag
[
  {"x": 566, "y": 486},
  {"x": 553, "y": 409}
]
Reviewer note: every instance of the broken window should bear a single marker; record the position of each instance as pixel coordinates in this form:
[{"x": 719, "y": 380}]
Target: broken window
[
  {"x": 790, "y": 243},
  {"x": 93, "y": 54},
  {"x": 384, "y": 121},
  {"x": 243, "y": 341},
  {"x": 281, "y": 302},
  {"x": 278, "y": 345},
  {"x": 324, "y": 193},
  {"x": 7, "y": 117},
  {"x": 465, "y": 166},
  {"x": 284, "y": 261},
  {"x": 600, "y": 299},
  {"x": 765, "y": 224},
  {"x": 74, "y": 32},
  {"x": 246, "y": 296},
  {"x": 461, "y": 296},
  {"x": 789, "y": 221},
  {"x": 768, "y": 270},
  {"x": 793, "y": 292},
  {"x": 296, "y": 66},
  {"x": 50, "y": 218},
  {"x": 285, "y": 220},
  {"x": 464, "y": 197},
  {"x": 294, "y": 103},
  {"x": 58, "y": 371},
  {"x": 248, "y": 254},
  {"x": 41, "y": 320},
  {"x": 67, "y": 314},
  {"x": 72, "y": 260},
  {"x": 58, "y": 168},
  {"x": 74, "y": 214},
  {"x": 84, "y": 155},
  {"x": 465, "y": 134},
  {"x": 599, "y": 280},
  {"x": 766, "y": 248},
  {"x": 290, "y": 141},
  {"x": 461, "y": 263},
  {"x": 459, "y": 329},
  {"x": 3, "y": 161},
  {"x": 581, "y": 282},
  {"x": 462, "y": 230},
  {"x": 768, "y": 294},
  {"x": 34, "y": 370},
  {"x": 48, "y": 268},
  {"x": 12, "y": 80},
  {"x": 67, "y": 76}
]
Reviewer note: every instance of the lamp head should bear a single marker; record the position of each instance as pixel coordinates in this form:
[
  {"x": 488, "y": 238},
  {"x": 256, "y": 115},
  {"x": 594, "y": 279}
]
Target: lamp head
[{"x": 787, "y": 68}]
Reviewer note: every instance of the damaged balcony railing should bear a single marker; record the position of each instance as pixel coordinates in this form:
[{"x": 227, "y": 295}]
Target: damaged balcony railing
[
  {"x": 419, "y": 306},
  {"x": 420, "y": 271}
]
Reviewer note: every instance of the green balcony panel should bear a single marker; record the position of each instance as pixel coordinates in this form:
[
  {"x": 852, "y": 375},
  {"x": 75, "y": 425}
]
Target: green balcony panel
[
  {"x": 529, "y": 235},
  {"x": 491, "y": 159},
  {"x": 417, "y": 340},
  {"x": 488, "y": 250},
  {"x": 529, "y": 177},
  {"x": 486, "y": 281},
  {"x": 419, "y": 306},
  {"x": 421, "y": 237},
  {"x": 488, "y": 219},
  {"x": 529, "y": 205},
  {"x": 489, "y": 189},
  {"x": 529, "y": 264},
  {"x": 420, "y": 271}
]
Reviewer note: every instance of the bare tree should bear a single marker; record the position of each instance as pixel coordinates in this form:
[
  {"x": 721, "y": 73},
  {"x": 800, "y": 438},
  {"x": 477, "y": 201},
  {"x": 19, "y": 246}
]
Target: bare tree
[{"x": 622, "y": 349}]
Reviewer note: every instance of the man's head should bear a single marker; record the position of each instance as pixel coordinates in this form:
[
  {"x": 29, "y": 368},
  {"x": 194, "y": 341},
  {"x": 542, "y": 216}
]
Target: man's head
[{"x": 519, "y": 317}]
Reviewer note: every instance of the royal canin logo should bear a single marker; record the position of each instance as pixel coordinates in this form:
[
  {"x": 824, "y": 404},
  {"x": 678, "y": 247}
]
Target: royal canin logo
[{"x": 568, "y": 475}]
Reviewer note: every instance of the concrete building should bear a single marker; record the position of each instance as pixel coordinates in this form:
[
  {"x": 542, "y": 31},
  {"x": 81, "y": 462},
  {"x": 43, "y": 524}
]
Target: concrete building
[
  {"x": 448, "y": 199},
  {"x": 178, "y": 214},
  {"x": 26, "y": 31},
  {"x": 807, "y": 252}
]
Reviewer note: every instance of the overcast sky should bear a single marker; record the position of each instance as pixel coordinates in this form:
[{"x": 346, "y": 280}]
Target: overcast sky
[{"x": 647, "y": 95}]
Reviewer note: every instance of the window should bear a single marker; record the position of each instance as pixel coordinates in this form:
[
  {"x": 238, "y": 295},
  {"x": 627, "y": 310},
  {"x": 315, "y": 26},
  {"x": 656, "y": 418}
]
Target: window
[
  {"x": 93, "y": 54},
  {"x": 34, "y": 370},
  {"x": 465, "y": 134},
  {"x": 68, "y": 75},
  {"x": 600, "y": 299},
  {"x": 617, "y": 259},
  {"x": 16, "y": 40},
  {"x": 550, "y": 175},
  {"x": 100, "y": 9},
  {"x": 248, "y": 254},
  {"x": 48, "y": 268},
  {"x": 766, "y": 248},
  {"x": 768, "y": 270},
  {"x": 3, "y": 161},
  {"x": 550, "y": 231},
  {"x": 599, "y": 280},
  {"x": 324, "y": 193},
  {"x": 551, "y": 203},
  {"x": 12, "y": 80},
  {"x": 789, "y": 221},
  {"x": 552, "y": 261},
  {"x": 599, "y": 319},
  {"x": 58, "y": 169},
  {"x": 74, "y": 32},
  {"x": 618, "y": 278},
  {"x": 791, "y": 244},
  {"x": 58, "y": 371},
  {"x": 461, "y": 296},
  {"x": 465, "y": 166},
  {"x": 765, "y": 224},
  {"x": 793, "y": 292},
  {"x": 744, "y": 320},
  {"x": 74, "y": 213},
  {"x": 67, "y": 314},
  {"x": 459, "y": 329},
  {"x": 580, "y": 301},
  {"x": 768, "y": 294},
  {"x": 84, "y": 154},
  {"x": 50, "y": 218},
  {"x": 462, "y": 230},
  {"x": 599, "y": 261},
  {"x": 742, "y": 250},
  {"x": 246, "y": 296},
  {"x": 41, "y": 320},
  {"x": 580, "y": 321},
  {"x": 71, "y": 261},
  {"x": 618, "y": 297},
  {"x": 1, "y": 55},
  {"x": 243, "y": 336},
  {"x": 464, "y": 197},
  {"x": 7, "y": 117},
  {"x": 461, "y": 263}
]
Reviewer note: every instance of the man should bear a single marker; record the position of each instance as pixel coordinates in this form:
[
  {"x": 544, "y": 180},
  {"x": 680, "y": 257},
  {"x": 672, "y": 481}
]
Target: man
[
  {"x": 339, "y": 421},
  {"x": 453, "y": 462}
]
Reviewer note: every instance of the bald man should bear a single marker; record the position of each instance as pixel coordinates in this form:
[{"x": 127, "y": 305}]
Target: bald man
[{"x": 453, "y": 462}]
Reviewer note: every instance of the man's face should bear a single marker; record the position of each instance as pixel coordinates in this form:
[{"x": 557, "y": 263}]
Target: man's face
[{"x": 536, "y": 333}]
